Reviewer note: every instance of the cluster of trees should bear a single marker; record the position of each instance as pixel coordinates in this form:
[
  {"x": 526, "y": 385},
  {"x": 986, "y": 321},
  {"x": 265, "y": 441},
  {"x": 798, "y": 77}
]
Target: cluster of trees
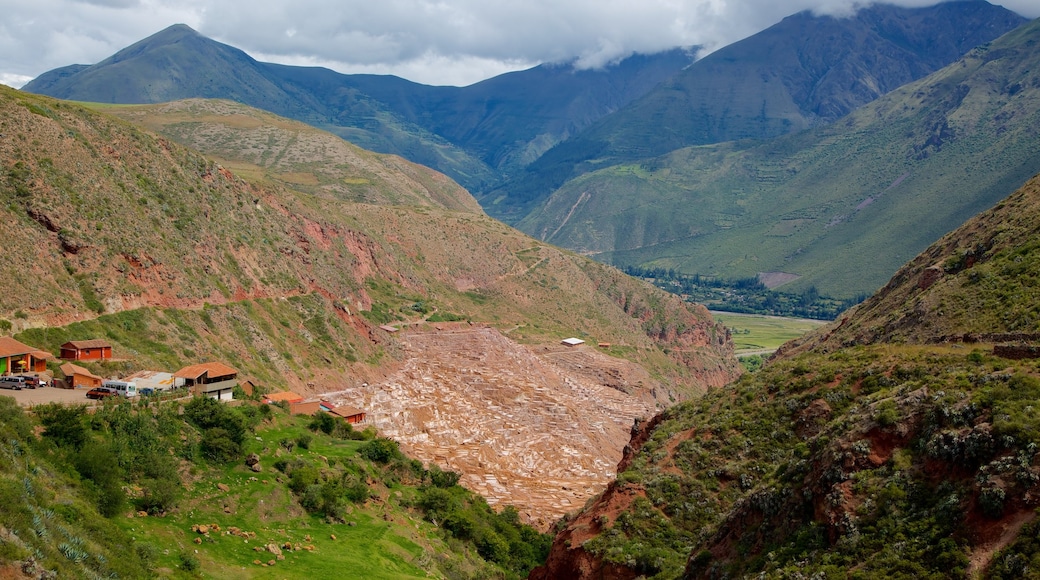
[{"x": 745, "y": 295}]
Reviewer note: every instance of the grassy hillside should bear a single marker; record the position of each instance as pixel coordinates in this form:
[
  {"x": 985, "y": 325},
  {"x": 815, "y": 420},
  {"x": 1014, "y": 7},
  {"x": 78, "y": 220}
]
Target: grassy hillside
[
  {"x": 158, "y": 490},
  {"x": 976, "y": 283},
  {"x": 255, "y": 144},
  {"x": 100, "y": 215},
  {"x": 899, "y": 441},
  {"x": 841, "y": 206}
]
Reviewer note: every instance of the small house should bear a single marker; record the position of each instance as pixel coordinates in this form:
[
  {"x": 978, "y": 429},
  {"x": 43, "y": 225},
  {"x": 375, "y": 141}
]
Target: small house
[
  {"x": 213, "y": 379},
  {"x": 348, "y": 414},
  {"x": 77, "y": 377},
  {"x": 96, "y": 349},
  {"x": 287, "y": 396},
  {"x": 248, "y": 387},
  {"x": 572, "y": 341},
  {"x": 308, "y": 408},
  {"x": 16, "y": 357}
]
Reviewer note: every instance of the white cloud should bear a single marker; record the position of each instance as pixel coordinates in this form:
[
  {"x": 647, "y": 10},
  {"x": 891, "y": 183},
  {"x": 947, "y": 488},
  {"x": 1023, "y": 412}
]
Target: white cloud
[{"x": 431, "y": 41}]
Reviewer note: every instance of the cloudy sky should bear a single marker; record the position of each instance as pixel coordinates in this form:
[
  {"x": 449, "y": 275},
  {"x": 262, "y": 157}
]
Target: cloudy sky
[{"x": 441, "y": 42}]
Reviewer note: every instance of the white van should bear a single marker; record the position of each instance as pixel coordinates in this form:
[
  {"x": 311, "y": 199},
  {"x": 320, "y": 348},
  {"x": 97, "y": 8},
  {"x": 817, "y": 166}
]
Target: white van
[{"x": 123, "y": 388}]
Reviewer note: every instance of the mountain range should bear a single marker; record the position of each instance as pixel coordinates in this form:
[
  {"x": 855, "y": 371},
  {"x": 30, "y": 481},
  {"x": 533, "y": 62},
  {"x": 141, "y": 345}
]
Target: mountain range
[
  {"x": 473, "y": 134},
  {"x": 899, "y": 441},
  {"x": 838, "y": 207},
  {"x": 603, "y": 161}
]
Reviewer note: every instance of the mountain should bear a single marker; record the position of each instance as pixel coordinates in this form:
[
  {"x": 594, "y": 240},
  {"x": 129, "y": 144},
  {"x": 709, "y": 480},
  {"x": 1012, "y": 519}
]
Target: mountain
[
  {"x": 308, "y": 264},
  {"x": 804, "y": 71},
  {"x": 837, "y": 207},
  {"x": 474, "y": 134},
  {"x": 100, "y": 213},
  {"x": 893, "y": 443},
  {"x": 974, "y": 284}
]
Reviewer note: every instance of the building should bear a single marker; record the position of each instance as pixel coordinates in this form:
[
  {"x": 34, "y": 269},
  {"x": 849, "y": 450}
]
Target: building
[
  {"x": 77, "y": 377},
  {"x": 154, "y": 381},
  {"x": 96, "y": 349},
  {"x": 349, "y": 414},
  {"x": 279, "y": 396},
  {"x": 308, "y": 408},
  {"x": 572, "y": 341},
  {"x": 213, "y": 379},
  {"x": 16, "y": 357}
]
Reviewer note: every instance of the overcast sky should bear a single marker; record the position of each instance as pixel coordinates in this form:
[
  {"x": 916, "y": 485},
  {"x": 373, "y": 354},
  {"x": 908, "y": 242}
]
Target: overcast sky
[{"x": 438, "y": 42}]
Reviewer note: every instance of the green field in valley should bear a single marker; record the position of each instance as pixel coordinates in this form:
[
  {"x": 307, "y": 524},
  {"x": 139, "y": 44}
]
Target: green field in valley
[{"x": 758, "y": 334}]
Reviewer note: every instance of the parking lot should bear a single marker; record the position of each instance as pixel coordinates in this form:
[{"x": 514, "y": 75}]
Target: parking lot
[{"x": 33, "y": 397}]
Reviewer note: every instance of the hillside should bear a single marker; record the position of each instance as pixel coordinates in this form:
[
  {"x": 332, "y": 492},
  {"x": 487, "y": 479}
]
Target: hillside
[
  {"x": 974, "y": 284},
  {"x": 294, "y": 155},
  {"x": 474, "y": 134},
  {"x": 160, "y": 491},
  {"x": 805, "y": 71},
  {"x": 838, "y": 208},
  {"x": 115, "y": 232},
  {"x": 874, "y": 452}
]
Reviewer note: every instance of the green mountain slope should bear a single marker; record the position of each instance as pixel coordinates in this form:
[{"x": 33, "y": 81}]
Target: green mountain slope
[
  {"x": 840, "y": 206},
  {"x": 474, "y": 134},
  {"x": 295, "y": 155},
  {"x": 976, "y": 283},
  {"x": 864, "y": 456},
  {"x": 805, "y": 71},
  {"x": 161, "y": 491}
]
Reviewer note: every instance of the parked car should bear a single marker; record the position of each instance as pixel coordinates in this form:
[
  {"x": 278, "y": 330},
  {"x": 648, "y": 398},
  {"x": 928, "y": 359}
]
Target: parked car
[
  {"x": 12, "y": 382},
  {"x": 100, "y": 393}
]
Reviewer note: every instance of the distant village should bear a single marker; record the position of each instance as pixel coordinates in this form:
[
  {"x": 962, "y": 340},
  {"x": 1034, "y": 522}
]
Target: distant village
[{"x": 26, "y": 367}]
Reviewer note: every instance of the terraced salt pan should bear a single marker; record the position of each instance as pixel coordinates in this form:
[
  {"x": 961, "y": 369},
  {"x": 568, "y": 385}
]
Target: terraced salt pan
[{"x": 522, "y": 429}]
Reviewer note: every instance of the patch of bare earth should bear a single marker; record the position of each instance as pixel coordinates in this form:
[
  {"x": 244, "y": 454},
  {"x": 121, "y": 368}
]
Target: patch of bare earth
[
  {"x": 1000, "y": 534},
  {"x": 522, "y": 429}
]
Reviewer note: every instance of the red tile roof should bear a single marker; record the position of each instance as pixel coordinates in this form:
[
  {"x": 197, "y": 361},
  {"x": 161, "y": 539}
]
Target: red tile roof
[
  {"x": 93, "y": 343},
  {"x": 11, "y": 347},
  {"x": 283, "y": 396},
  {"x": 215, "y": 369},
  {"x": 70, "y": 369}
]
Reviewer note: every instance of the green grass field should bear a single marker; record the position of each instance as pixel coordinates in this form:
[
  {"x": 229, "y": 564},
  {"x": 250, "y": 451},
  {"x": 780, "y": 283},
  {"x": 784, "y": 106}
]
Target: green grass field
[
  {"x": 754, "y": 333},
  {"x": 379, "y": 540}
]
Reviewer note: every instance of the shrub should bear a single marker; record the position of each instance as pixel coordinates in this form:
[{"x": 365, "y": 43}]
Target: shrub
[
  {"x": 66, "y": 426},
  {"x": 219, "y": 445},
  {"x": 441, "y": 478},
  {"x": 160, "y": 495},
  {"x": 380, "y": 450},
  {"x": 189, "y": 563},
  {"x": 323, "y": 422}
]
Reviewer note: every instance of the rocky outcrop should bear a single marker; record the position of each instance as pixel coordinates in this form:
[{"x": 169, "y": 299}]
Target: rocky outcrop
[{"x": 568, "y": 557}]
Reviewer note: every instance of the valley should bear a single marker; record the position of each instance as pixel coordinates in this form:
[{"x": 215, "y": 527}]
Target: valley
[{"x": 426, "y": 391}]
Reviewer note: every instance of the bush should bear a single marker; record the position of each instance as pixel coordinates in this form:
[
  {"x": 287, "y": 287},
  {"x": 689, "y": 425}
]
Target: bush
[
  {"x": 66, "y": 426},
  {"x": 218, "y": 445},
  {"x": 304, "y": 441},
  {"x": 323, "y": 422},
  {"x": 441, "y": 478},
  {"x": 97, "y": 463},
  {"x": 189, "y": 563},
  {"x": 380, "y": 450},
  {"x": 160, "y": 495}
]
